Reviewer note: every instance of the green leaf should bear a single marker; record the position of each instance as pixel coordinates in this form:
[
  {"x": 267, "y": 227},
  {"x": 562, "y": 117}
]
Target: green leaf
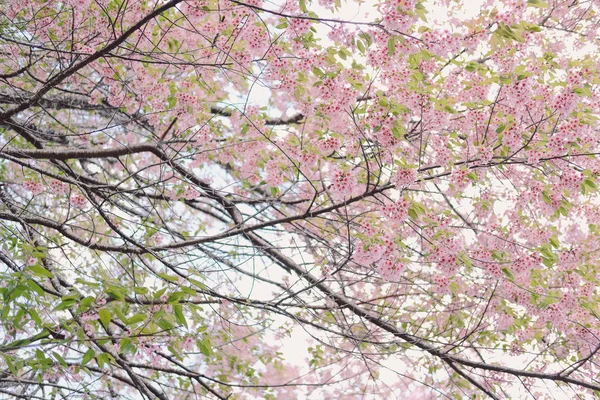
[
  {"x": 188, "y": 291},
  {"x": 164, "y": 324},
  {"x": 179, "y": 317},
  {"x": 140, "y": 290},
  {"x": 546, "y": 197},
  {"x": 35, "y": 316},
  {"x": 361, "y": 46},
  {"x": 520, "y": 69},
  {"x": 537, "y": 3},
  {"x": 497, "y": 255},
  {"x": 127, "y": 347},
  {"x": 563, "y": 211},
  {"x": 171, "y": 101},
  {"x": 40, "y": 271},
  {"x": 547, "y": 262},
  {"x": 318, "y": 71},
  {"x": 413, "y": 214},
  {"x": 391, "y": 45},
  {"x": 466, "y": 260},
  {"x": 175, "y": 297},
  {"x": 204, "y": 347},
  {"x": 119, "y": 313},
  {"x": 397, "y": 132},
  {"x": 60, "y": 360},
  {"x": 41, "y": 358},
  {"x": 421, "y": 11},
  {"x": 88, "y": 356},
  {"x": 159, "y": 293},
  {"x": 590, "y": 182},
  {"x": 135, "y": 319},
  {"x": 115, "y": 292},
  {"x": 105, "y": 316},
  {"x": 197, "y": 283},
  {"x": 282, "y": 25},
  {"x": 303, "y": 6},
  {"x": 104, "y": 358},
  {"x": 10, "y": 365},
  {"x": 169, "y": 278},
  {"x": 35, "y": 287},
  {"x": 507, "y": 272},
  {"x": 175, "y": 352},
  {"x": 86, "y": 302},
  {"x": 366, "y": 37},
  {"x": 583, "y": 92},
  {"x": 66, "y": 304},
  {"x": 450, "y": 109}
]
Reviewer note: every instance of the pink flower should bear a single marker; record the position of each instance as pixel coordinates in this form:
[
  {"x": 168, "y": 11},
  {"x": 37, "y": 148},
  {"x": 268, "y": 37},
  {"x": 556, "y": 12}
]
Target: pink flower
[
  {"x": 533, "y": 157},
  {"x": 187, "y": 344},
  {"x": 442, "y": 283},
  {"x": 397, "y": 211},
  {"x": 343, "y": 184},
  {"x": 57, "y": 187},
  {"x": 78, "y": 200},
  {"x": 390, "y": 269},
  {"x": 225, "y": 303},
  {"x": 191, "y": 194},
  {"x": 404, "y": 177},
  {"x": 34, "y": 187},
  {"x": 485, "y": 154}
]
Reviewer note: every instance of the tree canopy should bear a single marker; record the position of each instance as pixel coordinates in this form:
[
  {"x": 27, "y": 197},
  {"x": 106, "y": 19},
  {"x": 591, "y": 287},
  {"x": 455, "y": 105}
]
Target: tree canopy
[{"x": 223, "y": 199}]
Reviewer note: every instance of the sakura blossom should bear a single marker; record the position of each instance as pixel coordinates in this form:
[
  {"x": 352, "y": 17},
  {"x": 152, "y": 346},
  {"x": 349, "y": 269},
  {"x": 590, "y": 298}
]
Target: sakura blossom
[{"x": 299, "y": 200}]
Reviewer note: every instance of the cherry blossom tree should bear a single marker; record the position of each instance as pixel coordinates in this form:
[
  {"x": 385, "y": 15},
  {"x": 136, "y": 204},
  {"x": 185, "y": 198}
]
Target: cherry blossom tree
[{"x": 223, "y": 199}]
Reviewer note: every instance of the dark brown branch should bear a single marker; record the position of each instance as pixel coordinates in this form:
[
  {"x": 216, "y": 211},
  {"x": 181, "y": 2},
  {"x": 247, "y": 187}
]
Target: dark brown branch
[
  {"x": 65, "y": 153},
  {"x": 81, "y": 103}
]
